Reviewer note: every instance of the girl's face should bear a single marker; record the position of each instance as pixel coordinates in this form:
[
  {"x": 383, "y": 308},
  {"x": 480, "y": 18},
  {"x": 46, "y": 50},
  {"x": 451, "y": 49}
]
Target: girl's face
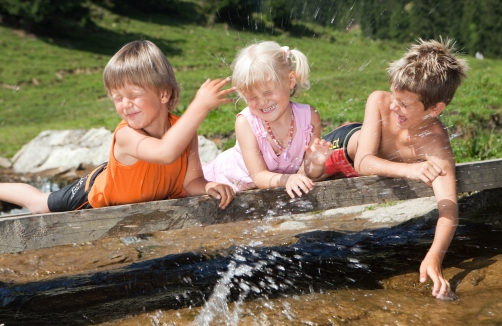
[
  {"x": 138, "y": 106},
  {"x": 270, "y": 101}
]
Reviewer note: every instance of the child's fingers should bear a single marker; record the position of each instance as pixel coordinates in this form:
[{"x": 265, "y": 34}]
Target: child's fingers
[
  {"x": 301, "y": 186},
  {"x": 226, "y": 92},
  {"x": 434, "y": 168},
  {"x": 426, "y": 180},
  {"x": 223, "y": 101},
  {"x": 227, "y": 195},
  {"x": 430, "y": 176},
  {"x": 222, "y": 192},
  {"x": 441, "y": 289},
  {"x": 423, "y": 276},
  {"x": 220, "y": 83},
  {"x": 217, "y": 83},
  {"x": 290, "y": 192},
  {"x": 307, "y": 181},
  {"x": 298, "y": 184},
  {"x": 325, "y": 144},
  {"x": 297, "y": 189},
  {"x": 428, "y": 172},
  {"x": 213, "y": 193},
  {"x": 444, "y": 291},
  {"x": 437, "y": 284}
]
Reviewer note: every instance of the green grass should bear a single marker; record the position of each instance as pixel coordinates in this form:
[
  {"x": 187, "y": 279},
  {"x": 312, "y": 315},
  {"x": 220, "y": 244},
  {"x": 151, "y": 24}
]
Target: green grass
[
  {"x": 56, "y": 83},
  {"x": 384, "y": 204}
]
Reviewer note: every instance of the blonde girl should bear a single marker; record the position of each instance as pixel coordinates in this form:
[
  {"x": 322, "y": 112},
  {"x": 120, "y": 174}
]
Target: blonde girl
[{"x": 277, "y": 140}]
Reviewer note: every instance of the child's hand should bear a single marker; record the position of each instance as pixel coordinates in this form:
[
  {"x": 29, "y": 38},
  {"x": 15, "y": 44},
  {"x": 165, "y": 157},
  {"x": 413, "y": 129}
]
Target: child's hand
[
  {"x": 220, "y": 191},
  {"x": 210, "y": 95},
  {"x": 431, "y": 266},
  {"x": 427, "y": 171},
  {"x": 318, "y": 152},
  {"x": 297, "y": 183}
]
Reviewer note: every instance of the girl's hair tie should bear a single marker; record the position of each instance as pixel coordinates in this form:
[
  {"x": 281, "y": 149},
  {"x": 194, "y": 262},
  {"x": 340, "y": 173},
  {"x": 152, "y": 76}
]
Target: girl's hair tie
[{"x": 286, "y": 51}]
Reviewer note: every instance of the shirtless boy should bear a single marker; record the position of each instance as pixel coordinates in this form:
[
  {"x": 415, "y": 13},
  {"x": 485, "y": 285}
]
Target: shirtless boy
[{"x": 402, "y": 137}]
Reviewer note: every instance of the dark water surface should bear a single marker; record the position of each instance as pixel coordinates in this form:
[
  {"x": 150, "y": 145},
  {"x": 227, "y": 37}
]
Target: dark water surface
[{"x": 315, "y": 269}]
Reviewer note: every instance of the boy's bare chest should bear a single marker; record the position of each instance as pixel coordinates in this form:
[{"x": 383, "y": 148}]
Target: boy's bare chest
[{"x": 399, "y": 146}]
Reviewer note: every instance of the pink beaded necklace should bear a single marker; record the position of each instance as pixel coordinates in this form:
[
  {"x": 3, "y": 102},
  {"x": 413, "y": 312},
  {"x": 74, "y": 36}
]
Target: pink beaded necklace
[{"x": 283, "y": 150}]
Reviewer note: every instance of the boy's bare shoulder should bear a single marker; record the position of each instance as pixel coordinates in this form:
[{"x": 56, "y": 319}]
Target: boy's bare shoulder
[
  {"x": 379, "y": 95},
  {"x": 435, "y": 140},
  {"x": 379, "y": 99},
  {"x": 437, "y": 130}
]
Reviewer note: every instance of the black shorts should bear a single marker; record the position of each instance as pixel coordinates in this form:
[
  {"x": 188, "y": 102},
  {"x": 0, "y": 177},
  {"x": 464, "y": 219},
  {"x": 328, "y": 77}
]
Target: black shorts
[
  {"x": 339, "y": 138},
  {"x": 74, "y": 196}
]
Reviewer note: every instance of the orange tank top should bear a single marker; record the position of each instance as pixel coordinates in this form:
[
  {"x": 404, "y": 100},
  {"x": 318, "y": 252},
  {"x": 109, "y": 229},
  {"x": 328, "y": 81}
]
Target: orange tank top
[{"x": 122, "y": 184}]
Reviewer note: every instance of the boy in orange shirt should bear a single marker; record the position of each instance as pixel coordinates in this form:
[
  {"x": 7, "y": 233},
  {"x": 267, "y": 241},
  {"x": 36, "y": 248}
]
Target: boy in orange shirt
[
  {"x": 402, "y": 137},
  {"x": 154, "y": 154}
]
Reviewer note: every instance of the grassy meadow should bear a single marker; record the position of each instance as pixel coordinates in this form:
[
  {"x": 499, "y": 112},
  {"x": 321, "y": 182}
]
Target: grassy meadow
[{"x": 48, "y": 83}]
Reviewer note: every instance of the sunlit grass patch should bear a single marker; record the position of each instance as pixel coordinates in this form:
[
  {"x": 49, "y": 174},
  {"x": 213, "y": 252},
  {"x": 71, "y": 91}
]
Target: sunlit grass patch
[{"x": 56, "y": 83}]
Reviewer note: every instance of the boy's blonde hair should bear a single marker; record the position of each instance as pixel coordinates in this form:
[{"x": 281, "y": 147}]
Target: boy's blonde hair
[
  {"x": 143, "y": 64},
  {"x": 259, "y": 63},
  {"x": 431, "y": 70}
]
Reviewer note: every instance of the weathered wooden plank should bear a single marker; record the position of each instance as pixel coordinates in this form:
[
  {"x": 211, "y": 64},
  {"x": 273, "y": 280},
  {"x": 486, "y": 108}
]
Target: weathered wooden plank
[
  {"x": 477, "y": 176},
  {"x": 18, "y": 233}
]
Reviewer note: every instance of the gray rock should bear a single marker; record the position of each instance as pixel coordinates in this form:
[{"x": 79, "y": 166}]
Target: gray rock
[
  {"x": 207, "y": 150},
  {"x": 5, "y": 163},
  {"x": 63, "y": 150}
]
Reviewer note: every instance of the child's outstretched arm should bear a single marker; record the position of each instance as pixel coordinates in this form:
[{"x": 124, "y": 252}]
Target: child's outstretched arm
[
  {"x": 170, "y": 145},
  {"x": 196, "y": 185},
  {"x": 445, "y": 192},
  {"x": 257, "y": 168}
]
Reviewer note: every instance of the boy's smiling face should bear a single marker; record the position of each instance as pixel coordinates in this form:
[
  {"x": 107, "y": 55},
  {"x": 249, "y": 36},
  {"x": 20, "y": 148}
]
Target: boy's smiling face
[
  {"x": 408, "y": 109},
  {"x": 137, "y": 105}
]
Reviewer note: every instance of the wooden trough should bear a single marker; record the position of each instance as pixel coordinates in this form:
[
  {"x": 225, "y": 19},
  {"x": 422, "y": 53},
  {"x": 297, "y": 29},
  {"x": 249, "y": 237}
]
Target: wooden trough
[
  {"x": 49, "y": 286},
  {"x": 25, "y": 232}
]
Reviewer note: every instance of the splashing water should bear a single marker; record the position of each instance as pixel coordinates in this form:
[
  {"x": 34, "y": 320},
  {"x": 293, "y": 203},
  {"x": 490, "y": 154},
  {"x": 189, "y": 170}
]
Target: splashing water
[
  {"x": 245, "y": 263},
  {"x": 217, "y": 303}
]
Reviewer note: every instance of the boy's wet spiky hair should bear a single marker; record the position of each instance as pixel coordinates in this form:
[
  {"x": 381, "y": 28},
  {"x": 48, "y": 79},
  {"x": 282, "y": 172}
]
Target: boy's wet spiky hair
[{"x": 431, "y": 69}]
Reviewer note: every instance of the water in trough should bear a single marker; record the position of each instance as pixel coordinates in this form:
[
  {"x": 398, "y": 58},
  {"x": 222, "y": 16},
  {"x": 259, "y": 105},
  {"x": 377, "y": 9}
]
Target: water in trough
[{"x": 351, "y": 266}]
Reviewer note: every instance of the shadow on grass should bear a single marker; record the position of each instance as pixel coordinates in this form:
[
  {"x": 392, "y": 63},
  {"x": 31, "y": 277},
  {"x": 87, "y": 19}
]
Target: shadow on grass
[
  {"x": 297, "y": 30},
  {"x": 107, "y": 42},
  {"x": 104, "y": 41}
]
